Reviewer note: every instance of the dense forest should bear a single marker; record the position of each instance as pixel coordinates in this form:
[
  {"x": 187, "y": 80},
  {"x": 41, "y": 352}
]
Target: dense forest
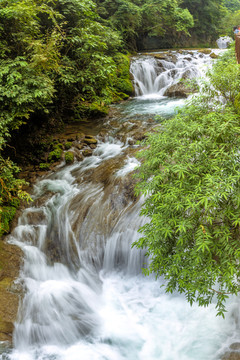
[{"x": 65, "y": 60}]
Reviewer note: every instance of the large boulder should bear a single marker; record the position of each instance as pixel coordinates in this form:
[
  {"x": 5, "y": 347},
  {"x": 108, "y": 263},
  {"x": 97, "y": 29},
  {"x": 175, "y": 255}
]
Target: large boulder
[{"x": 178, "y": 90}]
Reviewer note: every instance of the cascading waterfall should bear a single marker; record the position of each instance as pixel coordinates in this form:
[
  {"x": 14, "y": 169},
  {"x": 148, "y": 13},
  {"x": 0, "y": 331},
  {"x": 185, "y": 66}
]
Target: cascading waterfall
[
  {"x": 224, "y": 41},
  {"x": 85, "y": 295},
  {"x": 154, "y": 75}
]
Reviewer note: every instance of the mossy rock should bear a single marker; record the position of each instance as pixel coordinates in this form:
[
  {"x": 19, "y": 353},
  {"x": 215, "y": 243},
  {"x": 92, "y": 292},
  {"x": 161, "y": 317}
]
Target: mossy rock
[
  {"x": 205, "y": 51},
  {"x": 125, "y": 86},
  {"x": 90, "y": 140},
  {"x": 213, "y": 56},
  {"x": 55, "y": 155},
  {"x": 90, "y": 110},
  {"x": 98, "y": 110},
  {"x": 87, "y": 152},
  {"x": 69, "y": 157},
  {"x": 123, "y": 64},
  {"x": 68, "y": 145}
]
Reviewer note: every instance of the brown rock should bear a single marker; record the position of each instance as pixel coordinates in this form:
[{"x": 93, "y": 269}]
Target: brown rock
[
  {"x": 205, "y": 51},
  {"x": 90, "y": 140},
  {"x": 78, "y": 145},
  {"x": 177, "y": 90},
  {"x": 79, "y": 157},
  {"x": 213, "y": 56},
  {"x": 231, "y": 356},
  {"x": 87, "y": 152},
  {"x": 10, "y": 260}
]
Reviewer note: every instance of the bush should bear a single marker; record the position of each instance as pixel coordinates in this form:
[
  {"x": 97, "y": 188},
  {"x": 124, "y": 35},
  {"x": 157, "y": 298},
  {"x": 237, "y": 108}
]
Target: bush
[{"x": 191, "y": 177}]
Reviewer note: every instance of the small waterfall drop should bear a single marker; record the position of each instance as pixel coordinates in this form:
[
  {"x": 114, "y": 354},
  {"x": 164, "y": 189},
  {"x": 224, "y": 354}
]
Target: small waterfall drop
[
  {"x": 154, "y": 74},
  {"x": 224, "y": 41}
]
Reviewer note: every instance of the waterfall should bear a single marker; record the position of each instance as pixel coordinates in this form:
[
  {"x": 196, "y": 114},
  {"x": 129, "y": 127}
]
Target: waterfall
[
  {"x": 153, "y": 75},
  {"x": 85, "y": 296},
  {"x": 224, "y": 41}
]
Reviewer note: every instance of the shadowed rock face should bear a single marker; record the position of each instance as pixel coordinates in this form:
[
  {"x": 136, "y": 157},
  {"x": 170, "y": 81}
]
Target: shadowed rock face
[{"x": 10, "y": 260}]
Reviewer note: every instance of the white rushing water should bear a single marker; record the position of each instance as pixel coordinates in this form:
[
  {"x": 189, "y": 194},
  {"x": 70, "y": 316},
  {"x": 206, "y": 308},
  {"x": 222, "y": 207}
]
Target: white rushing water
[
  {"x": 86, "y": 297},
  {"x": 154, "y": 75}
]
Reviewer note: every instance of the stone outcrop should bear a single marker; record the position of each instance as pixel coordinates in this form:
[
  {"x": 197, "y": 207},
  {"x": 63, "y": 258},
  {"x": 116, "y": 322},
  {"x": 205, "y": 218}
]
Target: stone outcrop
[{"x": 178, "y": 90}]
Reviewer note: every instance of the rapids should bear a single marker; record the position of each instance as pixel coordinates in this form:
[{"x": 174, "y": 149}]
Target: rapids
[{"x": 85, "y": 296}]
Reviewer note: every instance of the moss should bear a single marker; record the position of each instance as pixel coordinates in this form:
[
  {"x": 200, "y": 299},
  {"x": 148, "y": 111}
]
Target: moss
[
  {"x": 92, "y": 110},
  {"x": 55, "y": 155},
  {"x": 44, "y": 166},
  {"x": 125, "y": 86},
  {"x": 68, "y": 145},
  {"x": 69, "y": 157},
  {"x": 123, "y": 82}
]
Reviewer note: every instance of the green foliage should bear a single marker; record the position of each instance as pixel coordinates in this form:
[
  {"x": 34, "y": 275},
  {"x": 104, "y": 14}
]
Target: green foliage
[
  {"x": 190, "y": 175},
  {"x": 232, "y": 5},
  {"x": 6, "y": 215},
  {"x": 11, "y": 193},
  {"x": 161, "y": 17},
  {"x": 123, "y": 83},
  {"x": 136, "y": 19},
  {"x": 207, "y": 15},
  {"x": 44, "y": 166},
  {"x": 69, "y": 157}
]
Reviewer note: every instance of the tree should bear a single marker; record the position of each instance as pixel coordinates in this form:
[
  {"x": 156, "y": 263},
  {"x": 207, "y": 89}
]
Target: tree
[
  {"x": 54, "y": 57},
  {"x": 207, "y": 16},
  {"x": 190, "y": 175},
  {"x": 136, "y": 19}
]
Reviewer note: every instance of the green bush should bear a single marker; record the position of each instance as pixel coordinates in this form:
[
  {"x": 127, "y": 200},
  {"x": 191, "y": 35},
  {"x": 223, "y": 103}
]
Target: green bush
[{"x": 190, "y": 174}]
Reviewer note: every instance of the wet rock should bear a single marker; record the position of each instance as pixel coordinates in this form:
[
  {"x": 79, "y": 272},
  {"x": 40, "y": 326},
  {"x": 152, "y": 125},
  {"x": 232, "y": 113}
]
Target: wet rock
[
  {"x": 231, "y": 356},
  {"x": 140, "y": 136},
  {"x": 43, "y": 199},
  {"x": 93, "y": 146},
  {"x": 87, "y": 152},
  {"x": 36, "y": 217},
  {"x": 235, "y": 346},
  {"x": 90, "y": 140},
  {"x": 205, "y": 51},
  {"x": 213, "y": 55},
  {"x": 79, "y": 157},
  {"x": 78, "y": 145},
  {"x": 178, "y": 90}
]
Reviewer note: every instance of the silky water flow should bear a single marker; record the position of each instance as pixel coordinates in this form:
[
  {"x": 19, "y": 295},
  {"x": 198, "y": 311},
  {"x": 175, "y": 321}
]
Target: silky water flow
[{"x": 85, "y": 295}]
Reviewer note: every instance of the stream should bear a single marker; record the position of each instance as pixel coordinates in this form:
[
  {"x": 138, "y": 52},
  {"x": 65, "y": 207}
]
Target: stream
[{"x": 85, "y": 297}]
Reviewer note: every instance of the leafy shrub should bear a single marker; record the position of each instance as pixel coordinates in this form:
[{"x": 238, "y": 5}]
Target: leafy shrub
[{"x": 191, "y": 177}]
